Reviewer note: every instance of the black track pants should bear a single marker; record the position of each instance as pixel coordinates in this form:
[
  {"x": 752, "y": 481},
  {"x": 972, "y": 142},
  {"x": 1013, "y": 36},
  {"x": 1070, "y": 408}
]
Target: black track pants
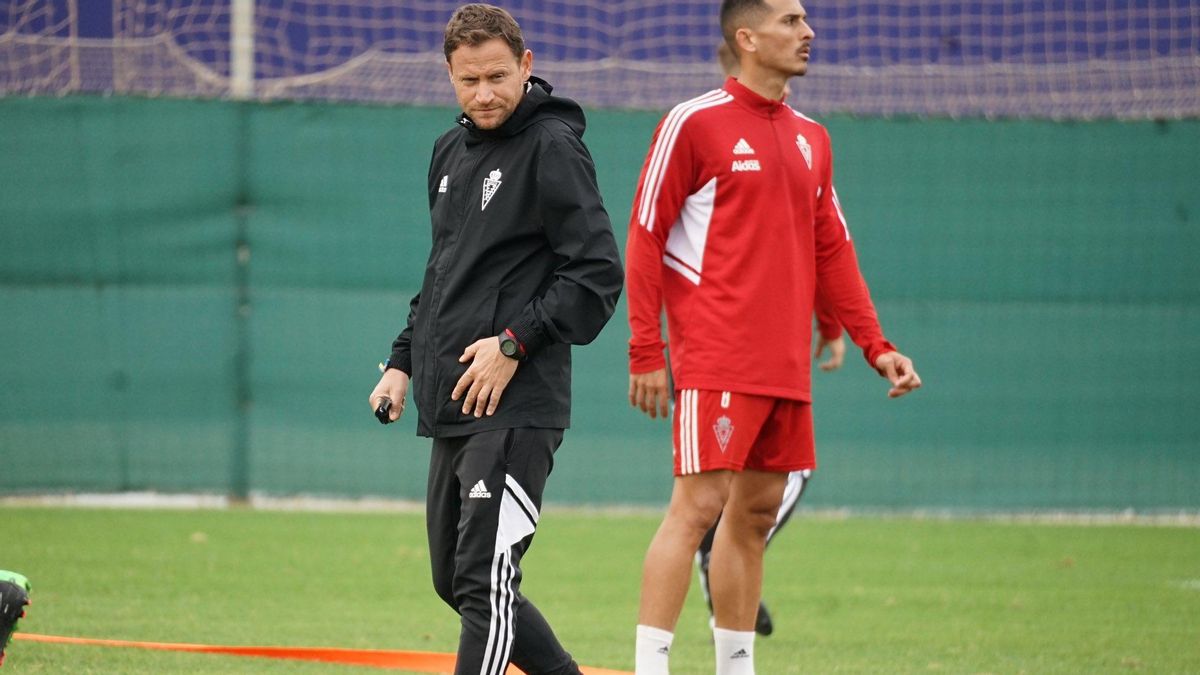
[{"x": 482, "y": 507}]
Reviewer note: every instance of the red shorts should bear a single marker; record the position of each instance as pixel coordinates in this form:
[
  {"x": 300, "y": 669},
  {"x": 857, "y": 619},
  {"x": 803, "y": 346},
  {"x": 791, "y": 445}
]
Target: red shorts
[{"x": 723, "y": 430}]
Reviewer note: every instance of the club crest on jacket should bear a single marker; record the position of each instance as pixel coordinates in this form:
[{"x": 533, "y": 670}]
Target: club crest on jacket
[
  {"x": 490, "y": 185},
  {"x": 805, "y": 149}
]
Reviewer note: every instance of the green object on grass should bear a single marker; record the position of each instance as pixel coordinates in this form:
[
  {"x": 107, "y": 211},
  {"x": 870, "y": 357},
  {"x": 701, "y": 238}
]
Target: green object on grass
[
  {"x": 14, "y": 596},
  {"x": 18, "y": 579}
]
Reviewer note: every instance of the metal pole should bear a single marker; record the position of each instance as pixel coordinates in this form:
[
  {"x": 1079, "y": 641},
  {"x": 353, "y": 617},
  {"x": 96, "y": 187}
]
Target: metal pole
[
  {"x": 241, "y": 88},
  {"x": 73, "y": 19},
  {"x": 241, "y": 50},
  {"x": 239, "y": 478}
]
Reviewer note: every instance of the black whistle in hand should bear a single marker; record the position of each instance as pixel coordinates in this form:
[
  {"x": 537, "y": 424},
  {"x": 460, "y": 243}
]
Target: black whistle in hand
[{"x": 382, "y": 412}]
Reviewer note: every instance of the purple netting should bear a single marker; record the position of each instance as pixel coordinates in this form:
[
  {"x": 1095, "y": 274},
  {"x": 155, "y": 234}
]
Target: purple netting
[{"x": 1080, "y": 58}]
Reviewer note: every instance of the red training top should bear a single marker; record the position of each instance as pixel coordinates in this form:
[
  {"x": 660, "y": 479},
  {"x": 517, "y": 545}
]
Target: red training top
[{"x": 735, "y": 224}]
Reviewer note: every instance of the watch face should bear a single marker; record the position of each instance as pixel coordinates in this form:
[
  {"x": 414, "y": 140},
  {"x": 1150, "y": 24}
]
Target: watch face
[{"x": 508, "y": 348}]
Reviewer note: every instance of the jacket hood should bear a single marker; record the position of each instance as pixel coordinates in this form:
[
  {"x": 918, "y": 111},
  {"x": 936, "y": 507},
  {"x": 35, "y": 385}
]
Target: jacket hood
[{"x": 536, "y": 104}]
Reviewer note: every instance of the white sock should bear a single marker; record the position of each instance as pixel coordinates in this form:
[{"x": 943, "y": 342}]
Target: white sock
[
  {"x": 653, "y": 649},
  {"x": 735, "y": 651}
]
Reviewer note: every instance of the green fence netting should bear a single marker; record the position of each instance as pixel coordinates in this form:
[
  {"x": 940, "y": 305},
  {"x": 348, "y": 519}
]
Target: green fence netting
[{"x": 194, "y": 295}]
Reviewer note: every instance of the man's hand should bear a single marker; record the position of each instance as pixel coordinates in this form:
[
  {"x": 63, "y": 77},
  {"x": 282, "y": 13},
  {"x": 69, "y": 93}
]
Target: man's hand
[
  {"x": 485, "y": 380},
  {"x": 898, "y": 369},
  {"x": 649, "y": 392},
  {"x": 837, "y": 352},
  {"x": 393, "y": 385}
]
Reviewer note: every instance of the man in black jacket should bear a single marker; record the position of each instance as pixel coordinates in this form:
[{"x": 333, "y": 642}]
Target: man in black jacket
[{"x": 524, "y": 265}]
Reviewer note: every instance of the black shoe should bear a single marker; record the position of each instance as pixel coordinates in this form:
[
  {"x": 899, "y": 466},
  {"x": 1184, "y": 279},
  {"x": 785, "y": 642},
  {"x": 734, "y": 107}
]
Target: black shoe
[{"x": 762, "y": 622}]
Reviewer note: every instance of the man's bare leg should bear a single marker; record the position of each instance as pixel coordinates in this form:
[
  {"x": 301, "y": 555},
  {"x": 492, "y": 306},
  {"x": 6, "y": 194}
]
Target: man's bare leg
[
  {"x": 696, "y": 501},
  {"x": 736, "y": 566}
]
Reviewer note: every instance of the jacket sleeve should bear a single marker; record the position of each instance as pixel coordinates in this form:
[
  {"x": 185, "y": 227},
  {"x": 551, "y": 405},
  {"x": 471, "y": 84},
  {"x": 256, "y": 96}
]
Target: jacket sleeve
[
  {"x": 838, "y": 275},
  {"x": 584, "y": 291},
  {"x": 401, "y": 358},
  {"x": 667, "y": 178},
  {"x": 827, "y": 321}
]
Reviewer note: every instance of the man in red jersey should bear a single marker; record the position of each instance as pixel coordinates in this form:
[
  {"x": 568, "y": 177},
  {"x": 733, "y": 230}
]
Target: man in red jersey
[
  {"x": 829, "y": 338},
  {"x": 734, "y": 226}
]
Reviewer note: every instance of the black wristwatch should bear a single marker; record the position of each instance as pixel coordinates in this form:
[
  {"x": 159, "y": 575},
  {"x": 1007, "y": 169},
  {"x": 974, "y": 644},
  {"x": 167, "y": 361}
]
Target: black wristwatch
[{"x": 510, "y": 346}]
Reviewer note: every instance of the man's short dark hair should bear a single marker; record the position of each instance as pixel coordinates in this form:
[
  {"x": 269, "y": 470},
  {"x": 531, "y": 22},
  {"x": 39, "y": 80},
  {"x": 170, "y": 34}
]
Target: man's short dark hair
[
  {"x": 737, "y": 14},
  {"x": 474, "y": 24}
]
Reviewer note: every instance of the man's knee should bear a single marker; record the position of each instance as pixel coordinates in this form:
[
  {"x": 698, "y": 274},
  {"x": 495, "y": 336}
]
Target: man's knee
[
  {"x": 755, "y": 517},
  {"x": 754, "y": 501},
  {"x": 696, "y": 506}
]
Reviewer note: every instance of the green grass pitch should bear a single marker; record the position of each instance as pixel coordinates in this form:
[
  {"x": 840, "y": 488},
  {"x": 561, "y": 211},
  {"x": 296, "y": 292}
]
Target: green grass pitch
[{"x": 857, "y": 595}]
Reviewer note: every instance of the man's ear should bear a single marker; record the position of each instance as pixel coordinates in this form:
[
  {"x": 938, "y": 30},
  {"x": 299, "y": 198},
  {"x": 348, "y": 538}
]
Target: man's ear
[
  {"x": 526, "y": 65},
  {"x": 745, "y": 40}
]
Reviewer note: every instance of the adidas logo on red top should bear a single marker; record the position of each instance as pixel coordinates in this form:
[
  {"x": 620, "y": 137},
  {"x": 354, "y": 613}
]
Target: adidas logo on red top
[{"x": 743, "y": 148}]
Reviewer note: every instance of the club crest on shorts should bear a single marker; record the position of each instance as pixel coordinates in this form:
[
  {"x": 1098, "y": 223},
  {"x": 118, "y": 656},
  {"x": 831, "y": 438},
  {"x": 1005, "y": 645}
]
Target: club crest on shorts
[
  {"x": 724, "y": 431},
  {"x": 805, "y": 149},
  {"x": 490, "y": 185}
]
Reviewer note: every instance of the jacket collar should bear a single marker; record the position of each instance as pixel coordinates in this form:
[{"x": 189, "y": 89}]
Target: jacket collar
[{"x": 752, "y": 101}]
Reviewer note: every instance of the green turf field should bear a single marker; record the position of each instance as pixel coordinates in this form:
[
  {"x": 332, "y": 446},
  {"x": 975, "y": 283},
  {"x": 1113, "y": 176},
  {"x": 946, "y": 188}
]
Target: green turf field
[{"x": 860, "y": 595}]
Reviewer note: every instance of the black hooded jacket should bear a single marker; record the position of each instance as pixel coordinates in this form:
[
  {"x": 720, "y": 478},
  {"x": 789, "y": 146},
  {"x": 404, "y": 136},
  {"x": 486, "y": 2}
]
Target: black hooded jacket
[{"x": 521, "y": 241}]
